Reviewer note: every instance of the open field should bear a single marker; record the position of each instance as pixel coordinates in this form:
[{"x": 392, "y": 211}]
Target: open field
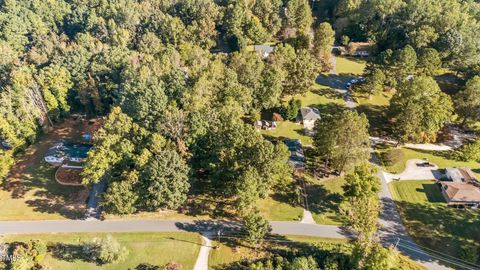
[
  {"x": 440, "y": 158},
  {"x": 31, "y": 192},
  {"x": 143, "y": 248},
  {"x": 430, "y": 222},
  {"x": 350, "y": 65}
]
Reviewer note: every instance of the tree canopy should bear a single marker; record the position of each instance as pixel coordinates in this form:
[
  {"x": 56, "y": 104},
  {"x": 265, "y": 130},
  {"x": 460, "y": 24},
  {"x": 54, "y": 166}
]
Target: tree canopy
[
  {"x": 419, "y": 109},
  {"x": 342, "y": 139}
]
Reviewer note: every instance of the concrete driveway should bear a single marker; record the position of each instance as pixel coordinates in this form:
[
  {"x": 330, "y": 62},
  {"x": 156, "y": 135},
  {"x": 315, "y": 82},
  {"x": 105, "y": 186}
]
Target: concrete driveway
[{"x": 414, "y": 172}]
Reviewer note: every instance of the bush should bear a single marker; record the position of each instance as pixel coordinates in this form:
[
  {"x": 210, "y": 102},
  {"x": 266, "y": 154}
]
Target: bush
[
  {"x": 277, "y": 117},
  {"x": 393, "y": 156},
  {"x": 290, "y": 111},
  {"x": 172, "y": 266},
  {"x": 469, "y": 253},
  {"x": 105, "y": 250},
  {"x": 469, "y": 152},
  {"x": 28, "y": 255},
  {"x": 255, "y": 226}
]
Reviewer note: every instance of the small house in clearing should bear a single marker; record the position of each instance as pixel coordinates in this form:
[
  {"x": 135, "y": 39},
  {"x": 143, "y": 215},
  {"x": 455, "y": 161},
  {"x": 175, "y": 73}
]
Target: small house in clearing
[
  {"x": 361, "y": 49},
  {"x": 309, "y": 116},
  {"x": 463, "y": 189},
  {"x": 263, "y": 50},
  {"x": 63, "y": 152}
]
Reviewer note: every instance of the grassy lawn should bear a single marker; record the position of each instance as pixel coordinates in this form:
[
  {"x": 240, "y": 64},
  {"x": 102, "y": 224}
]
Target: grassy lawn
[
  {"x": 36, "y": 195},
  {"x": 430, "y": 222},
  {"x": 229, "y": 252},
  {"x": 375, "y": 108},
  {"x": 381, "y": 99},
  {"x": 143, "y": 248},
  {"x": 323, "y": 198},
  {"x": 321, "y": 97},
  {"x": 30, "y": 192},
  {"x": 287, "y": 129},
  {"x": 274, "y": 209},
  {"x": 350, "y": 65},
  {"x": 440, "y": 158}
]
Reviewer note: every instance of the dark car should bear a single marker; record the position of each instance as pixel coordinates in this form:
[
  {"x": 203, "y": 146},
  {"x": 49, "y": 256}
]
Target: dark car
[
  {"x": 425, "y": 164},
  {"x": 6, "y": 144}
]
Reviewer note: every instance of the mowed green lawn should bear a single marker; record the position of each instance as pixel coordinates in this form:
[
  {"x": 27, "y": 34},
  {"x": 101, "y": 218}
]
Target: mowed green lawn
[
  {"x": 143, "y": 248},
  {"x": 350, "y": 65},
  {"x": 324, "y": 198},
  {"x": 431, "y": 222},
  {"x": 440, "y": 158},
  {"x": 291, "y": 130},
  {"x": 380, "y": 99},
  {"x": 34, "y": 194},
  {"x": 275, "y": 209}
]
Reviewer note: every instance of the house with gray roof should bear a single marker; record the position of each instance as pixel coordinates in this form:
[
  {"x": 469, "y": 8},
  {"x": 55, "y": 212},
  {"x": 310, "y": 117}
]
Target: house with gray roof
[
  {"x": 309, "y": 116},
  {"x": 263, "y": 50},
  {"x": 62, "y": 152}
]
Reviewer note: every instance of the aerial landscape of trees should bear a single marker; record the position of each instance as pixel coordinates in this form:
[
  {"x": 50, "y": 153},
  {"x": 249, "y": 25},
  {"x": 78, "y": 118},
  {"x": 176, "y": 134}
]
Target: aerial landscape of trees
[{"x": 178, "y": 85}]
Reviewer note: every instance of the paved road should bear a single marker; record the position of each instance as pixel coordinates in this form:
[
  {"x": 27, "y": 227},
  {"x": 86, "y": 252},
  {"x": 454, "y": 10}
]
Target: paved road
[
  {"x": 70, "y": 226},
  {"x": 392, "y": 230}
]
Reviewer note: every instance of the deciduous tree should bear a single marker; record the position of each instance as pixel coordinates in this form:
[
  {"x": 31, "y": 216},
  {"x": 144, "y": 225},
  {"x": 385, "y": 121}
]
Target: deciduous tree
[
  {"x": 342, "y": 139},
  {"x": 419, "y": 109},
  {"x": 467, "y": 101}
]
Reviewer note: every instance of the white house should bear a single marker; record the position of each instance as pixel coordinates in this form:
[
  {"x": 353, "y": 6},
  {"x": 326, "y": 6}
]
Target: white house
[
  {"x": 263, "y": 50},
  {"x": 309, "y": 116},
  {"x": 62, "y": 152}
]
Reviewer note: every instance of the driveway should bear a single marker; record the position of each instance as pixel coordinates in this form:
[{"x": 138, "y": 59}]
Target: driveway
[
  {"x": 393, "y": 233},
  {"x": 414, "y": 172}
]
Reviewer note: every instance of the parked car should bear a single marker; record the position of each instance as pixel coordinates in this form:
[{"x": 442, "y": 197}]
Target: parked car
[
  {"x": 425, "y": 164},
  {"x": 6, "y": 144}
]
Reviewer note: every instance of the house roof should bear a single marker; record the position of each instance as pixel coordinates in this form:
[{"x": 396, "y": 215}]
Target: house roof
[
  {"x": 263, "y": 49},
  {"x": 461, "y": 175},
  {"x": 70, "y": 150},
  {"x": 468, "y": 175},
  {"x": 360, "y": 46},
  {"x": 309, "y": 113},
  {"x": 462, "y": 192}
]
